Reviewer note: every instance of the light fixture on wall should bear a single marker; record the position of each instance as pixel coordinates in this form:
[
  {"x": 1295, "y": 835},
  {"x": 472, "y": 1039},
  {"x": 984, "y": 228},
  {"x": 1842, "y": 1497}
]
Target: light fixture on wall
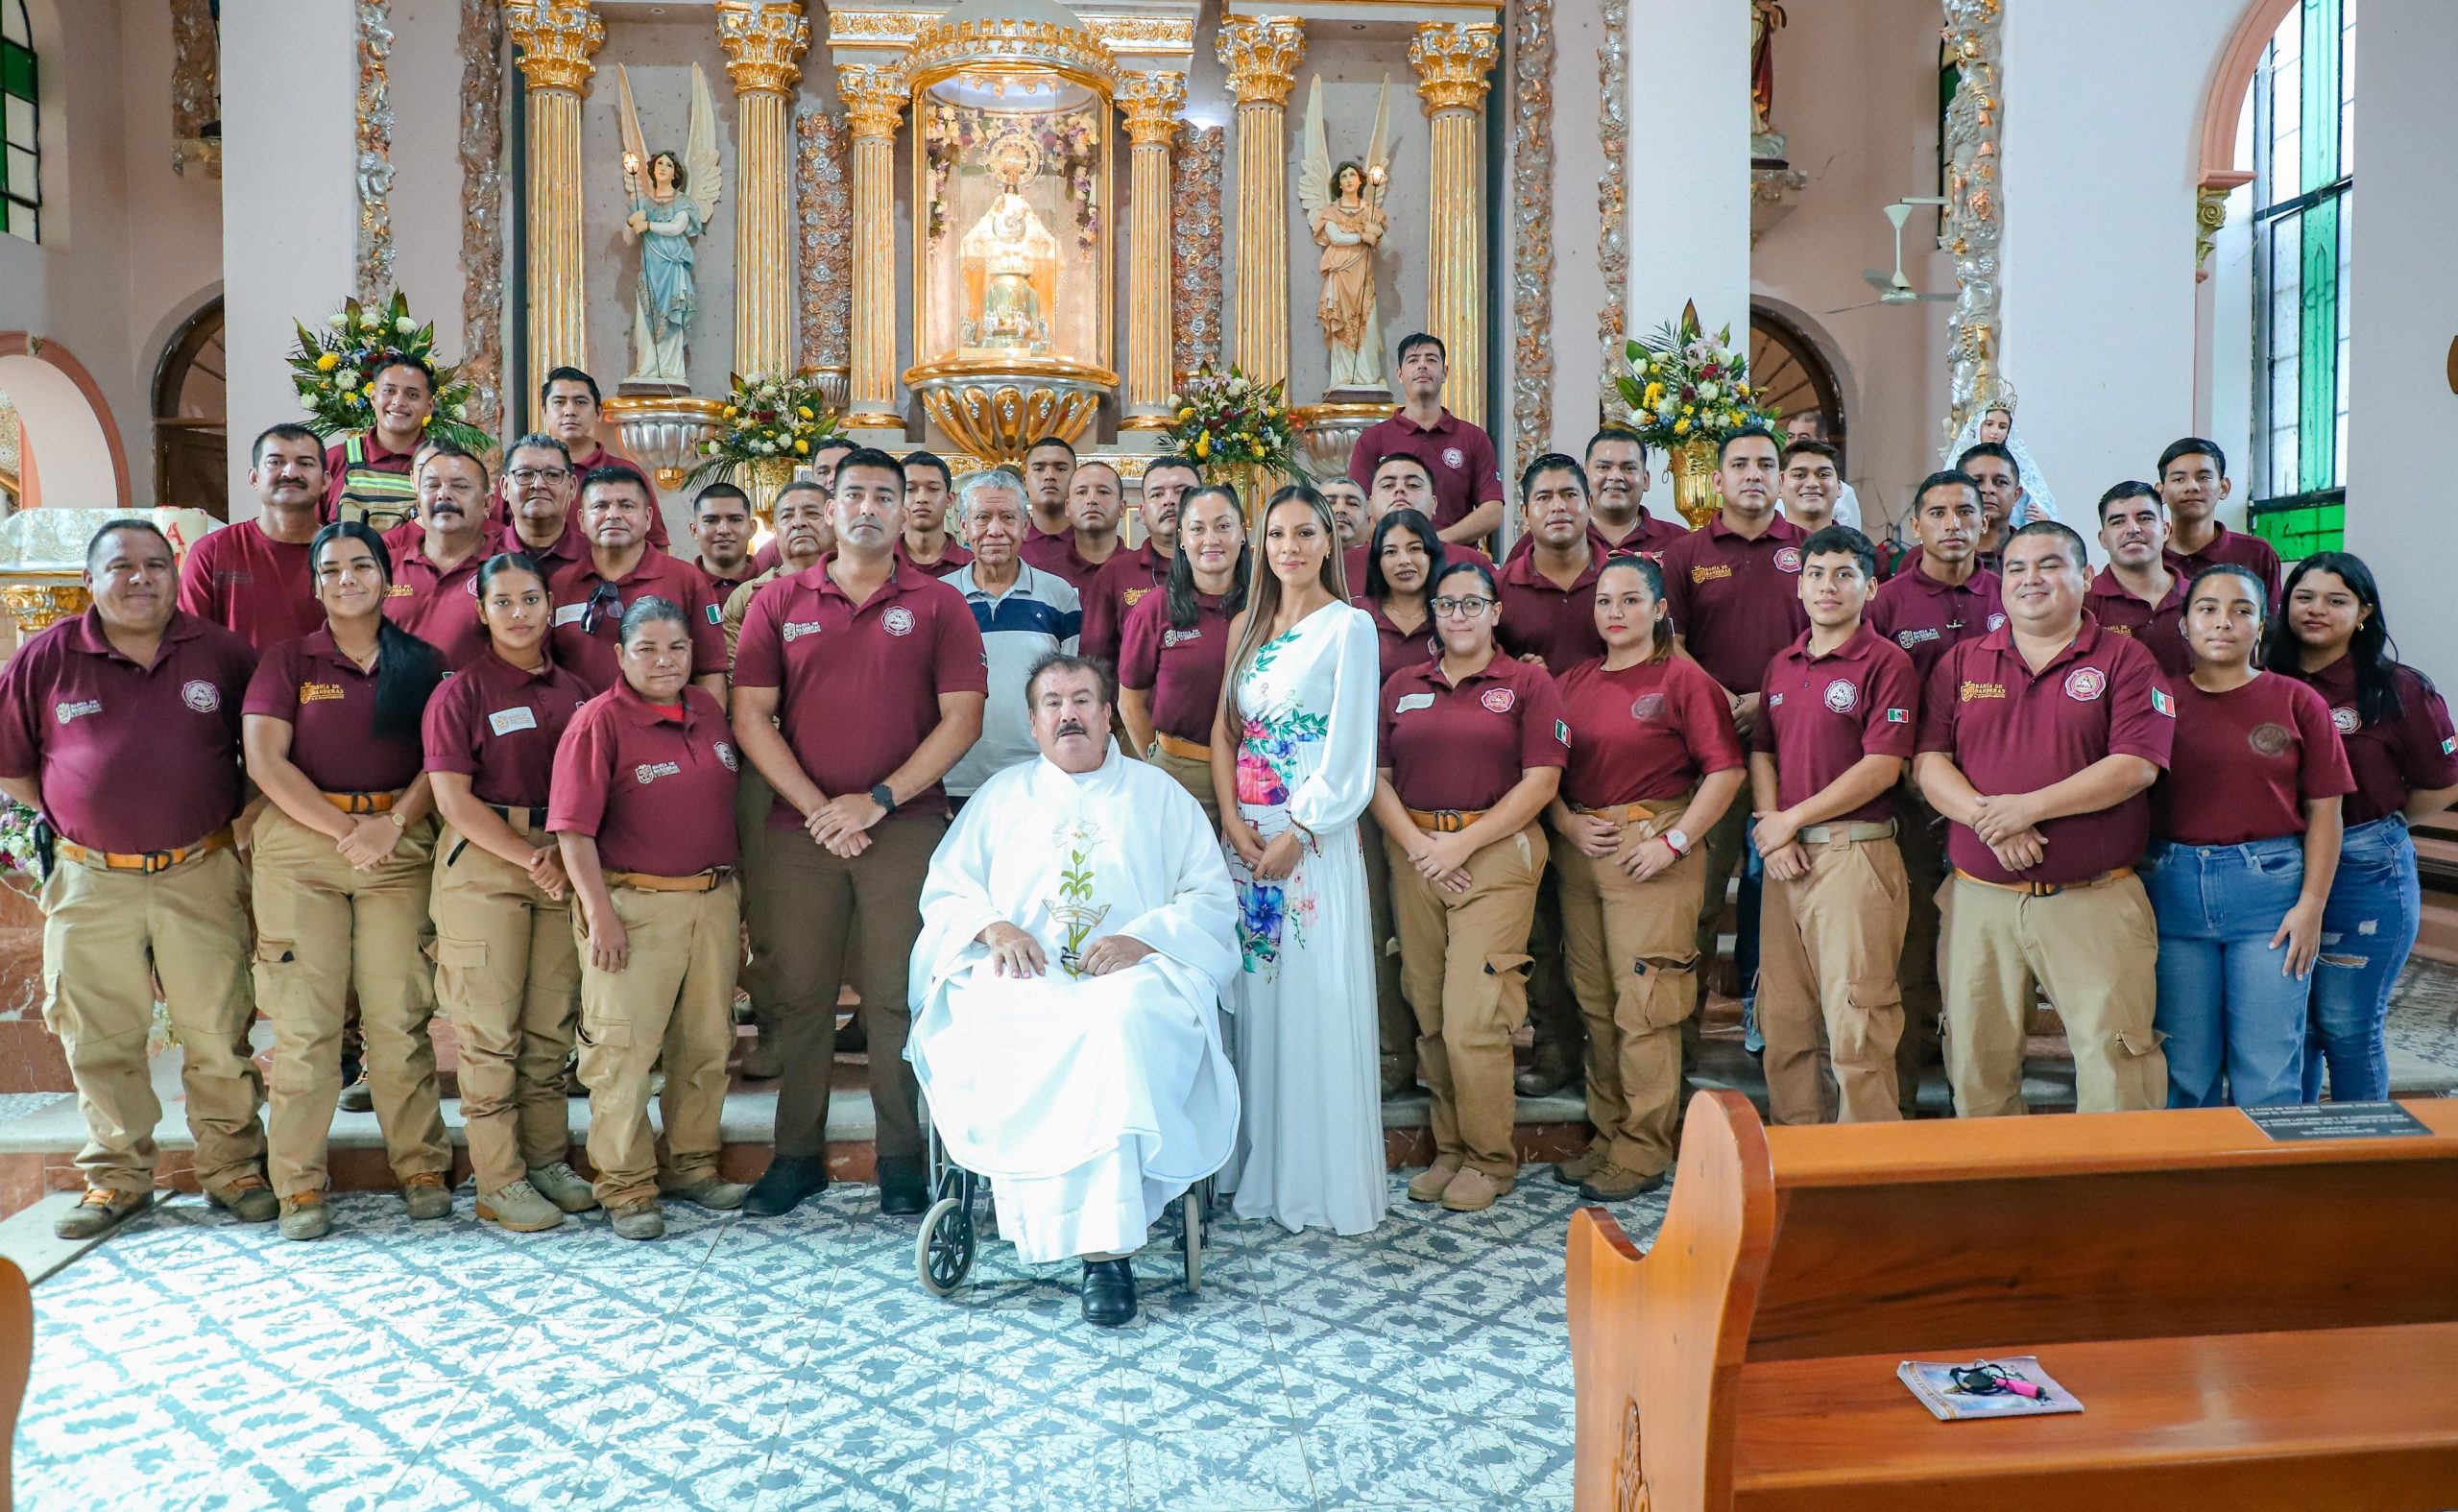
[{"x": 1893, "y": 288}]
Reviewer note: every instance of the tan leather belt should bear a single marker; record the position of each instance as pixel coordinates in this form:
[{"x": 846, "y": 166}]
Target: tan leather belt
[
  {"x": 363, "y": 803},
  {"x": 708, "y": 881},
  {"x": 2049, "y": 889},
  {"x": 1445, "y": 820},
  {"x": 1854, "y": 832},
  {"x": 146, "y": 861},
  {"x": 1646, "y": 809},
  {"x": 1184, "y": 750}
]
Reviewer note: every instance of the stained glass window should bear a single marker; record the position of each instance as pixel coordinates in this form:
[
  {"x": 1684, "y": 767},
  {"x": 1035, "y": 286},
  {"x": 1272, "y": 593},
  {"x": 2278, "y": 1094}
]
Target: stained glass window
[{"x": 2303, "y": 170}]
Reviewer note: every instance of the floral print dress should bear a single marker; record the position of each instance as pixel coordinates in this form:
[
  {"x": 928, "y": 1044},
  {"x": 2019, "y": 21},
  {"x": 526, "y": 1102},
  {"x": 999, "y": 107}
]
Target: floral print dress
[{"x": 1311, "y": 1151}]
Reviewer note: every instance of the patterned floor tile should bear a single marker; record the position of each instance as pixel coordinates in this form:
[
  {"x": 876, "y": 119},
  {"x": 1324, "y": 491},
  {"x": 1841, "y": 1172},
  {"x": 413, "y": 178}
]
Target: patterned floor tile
[
  {"x": 1219, "y": 1469},
  {"x": 1403, "y": 1465},
  {"x": 889, "y": 1472},
  {"x": 724, "y": 1478},
  {"x": 1527, "y": 1465},
  {"x": 543, "y": 1480},
  {"x": 1084, "y": 1472}
]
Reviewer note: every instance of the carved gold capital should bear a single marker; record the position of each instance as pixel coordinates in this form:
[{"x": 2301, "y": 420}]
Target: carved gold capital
[
  {"x": 763, "y": 44},
  {"x": 1262, "y": 58},
  {"x": 874, "y": 96},
  {"x": 1451, "y": 60},
  {"x": 1150, "y": 103},
  {"x": 556, "y": 39},
  {"x": 2209, "y": 214}
]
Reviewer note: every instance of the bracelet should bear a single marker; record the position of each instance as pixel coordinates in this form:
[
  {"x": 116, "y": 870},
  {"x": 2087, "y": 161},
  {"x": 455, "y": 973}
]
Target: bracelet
[{"x": 1303, "y": 830}]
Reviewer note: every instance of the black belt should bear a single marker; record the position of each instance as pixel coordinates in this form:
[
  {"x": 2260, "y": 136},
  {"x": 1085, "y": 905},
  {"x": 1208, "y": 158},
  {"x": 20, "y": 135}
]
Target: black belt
[{"x": 512, "y": 813}]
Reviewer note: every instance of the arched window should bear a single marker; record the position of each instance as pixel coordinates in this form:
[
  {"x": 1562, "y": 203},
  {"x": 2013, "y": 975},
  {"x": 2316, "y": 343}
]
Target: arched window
[
  {"x": 190, "y": 410},
  {"x": 2303, "y": 170},
  {"x": 20, "y": 103}
]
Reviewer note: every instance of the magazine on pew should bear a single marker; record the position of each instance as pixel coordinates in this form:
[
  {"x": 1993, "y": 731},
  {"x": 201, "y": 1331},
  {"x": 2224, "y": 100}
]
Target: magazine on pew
[{"x": 2008, "y": 1386}]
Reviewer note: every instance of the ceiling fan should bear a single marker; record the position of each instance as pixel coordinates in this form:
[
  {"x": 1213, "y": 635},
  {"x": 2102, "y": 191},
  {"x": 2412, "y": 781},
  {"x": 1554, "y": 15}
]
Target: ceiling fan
[{"x": 1893, "y": 288}]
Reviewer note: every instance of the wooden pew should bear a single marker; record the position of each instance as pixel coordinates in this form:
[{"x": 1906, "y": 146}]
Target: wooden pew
[{"x": 2248, "y": 1325}]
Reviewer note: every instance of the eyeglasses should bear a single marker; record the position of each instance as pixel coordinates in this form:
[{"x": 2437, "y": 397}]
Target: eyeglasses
[
  {"x": 1464, "y": 608},
  {"x": 604, "y": 599},
  {"x": 531, "y": 477}
]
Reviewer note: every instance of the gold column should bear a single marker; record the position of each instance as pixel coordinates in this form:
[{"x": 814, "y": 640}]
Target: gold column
[
  {"x": 874, "y": 96},
  {"x": 1262, "y": 58},
  {"x": 556, "y": 39},
  {"x": 1151, "y": 103},
  {"x": 763, "y": 47},
  {"x": 1451, "y": 60}
]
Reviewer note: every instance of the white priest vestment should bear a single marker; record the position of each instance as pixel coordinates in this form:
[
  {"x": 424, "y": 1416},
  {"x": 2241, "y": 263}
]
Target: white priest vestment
[{"x": 1092, "y": 1102}]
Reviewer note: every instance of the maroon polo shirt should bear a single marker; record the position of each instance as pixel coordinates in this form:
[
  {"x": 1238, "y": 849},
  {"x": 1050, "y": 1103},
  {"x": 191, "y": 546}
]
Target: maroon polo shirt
[
  {"x": 721, "y": 588},
  {"x": 859, "y": 685},
  {"x": 582, "y": 466},
  {"x": 2236, "y": 547},
  {"x": 1736, "y": 601},
  {"x": 1459, "y": 455},
  {"x": 2416, "y": 748},
  {"x": 1181, "y": 669},
  {"x": 1821, "y": 714},
  {"x": 260, "y": 588},
  {"x": 1926, "y": 618},
  {"x": 377, "y": 460},
  {"x": 1542, "y": 618},
  {"x": 1124, "y": 580},
  {"x": 656, "y": 791},
  {"x": 2160, "y": 629},
  {"x": 127, "y": 758},
  {"x": 1646, "y": 732},
  {"x": 1650, "y": 538},
  {"x": 955, "y": 556},
  {"x": 1397, "y": 648},
  {"x": 1465, "y": 746},
  {"x": 329, "y": 706},
  {"x": 1353, "y": 561},
  {"x": 498, "y": 726},
  {"x": 438, "y": 608},
  {"x": 2247, "y": 761},
  {"x": 2012, "y": 731},
  {"x": 1056, "y": 555},
  {"x": 570, "y": 547},
  {"x": 592, "y": 655}
]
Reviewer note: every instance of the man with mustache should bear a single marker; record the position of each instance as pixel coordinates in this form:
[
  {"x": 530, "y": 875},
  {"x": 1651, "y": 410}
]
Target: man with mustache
[
  {"x": 436, "y": 557},
  {"x": 1024, "y": 613},
  {"x": 252, "y": 577},
  {"x": 856, "y": 685},
  {"x": 622, "y": 568},
  {"x": 367, "y": 473},
  {"x": 534, "y": 502},
  {"x": 1128, "y": 576}
]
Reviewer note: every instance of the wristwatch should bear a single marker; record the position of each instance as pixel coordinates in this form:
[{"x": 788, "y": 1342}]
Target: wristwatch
[
  {"x": 1679, "y": 842},
  {"x": 394, "y": 815},
  {"x": 885, "y": 796}
]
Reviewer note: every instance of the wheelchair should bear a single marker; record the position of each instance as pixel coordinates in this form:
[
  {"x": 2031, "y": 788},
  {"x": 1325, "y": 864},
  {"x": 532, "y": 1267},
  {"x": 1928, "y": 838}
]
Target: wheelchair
[{"x": 944, "y": 1251}]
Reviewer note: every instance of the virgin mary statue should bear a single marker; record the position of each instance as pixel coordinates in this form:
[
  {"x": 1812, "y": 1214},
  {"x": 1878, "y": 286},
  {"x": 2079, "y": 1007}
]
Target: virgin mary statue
[{"x": 671, "y": 198}]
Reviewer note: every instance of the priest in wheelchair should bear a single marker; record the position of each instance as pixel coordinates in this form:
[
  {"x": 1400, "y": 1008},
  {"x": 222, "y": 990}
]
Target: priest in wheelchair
[{"x": 1079, "y": 933}]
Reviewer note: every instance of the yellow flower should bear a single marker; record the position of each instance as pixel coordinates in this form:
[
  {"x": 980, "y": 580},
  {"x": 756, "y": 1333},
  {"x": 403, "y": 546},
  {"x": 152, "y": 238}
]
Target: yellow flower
[
  {"x": 368, "y": 391},
  {"x": 328, "y": 362},
  {"x": 1202, "y": 446},
  {"x": 1654, "y": 397},
  {"x": 801, "y": 448},
  {"x": 1682, "y": 427},
  {"x": 1689, "y": 409},
  {"x": 733, "y": 410},
  {"x": 803, "y": 410},
  {"x": 1187, "y": 412}
]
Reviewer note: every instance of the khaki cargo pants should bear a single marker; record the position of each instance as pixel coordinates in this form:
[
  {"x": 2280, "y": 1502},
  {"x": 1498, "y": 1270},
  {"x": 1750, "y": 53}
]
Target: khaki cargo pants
[
  {"x": 1195, "y": 775},
  {"x": 1395, "y": 1022},
  {"x": 323, "y": 928},
  {"x": 508, "y": 976},
  {"x": 108, "y": 936},
  {"x": 1827, "y": 947},
  {"x": 1463, "y": 966},
  {"x": 1633, "y": 963},
  {"x": 674, "y": 999},
  {"x": 2094, "y": 949}
]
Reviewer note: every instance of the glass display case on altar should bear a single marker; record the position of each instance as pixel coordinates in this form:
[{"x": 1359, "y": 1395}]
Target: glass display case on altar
[{"x": 1012, "y": 281}]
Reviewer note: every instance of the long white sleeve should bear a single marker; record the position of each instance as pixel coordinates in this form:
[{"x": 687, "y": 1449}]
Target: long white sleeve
[{"x": 1343, "y": 784}]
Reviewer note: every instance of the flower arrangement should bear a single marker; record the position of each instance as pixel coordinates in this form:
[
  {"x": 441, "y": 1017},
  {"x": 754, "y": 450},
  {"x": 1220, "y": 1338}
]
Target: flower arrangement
[
  {"x": 769, "y": 418},
  {"x": 1072, "y": 140},
  {"x": 1229, "y": 419},
  {"x": 1684, "y": 386},
  {"x": 335, "y": 371},
  {"x": 18, "y": 825}
]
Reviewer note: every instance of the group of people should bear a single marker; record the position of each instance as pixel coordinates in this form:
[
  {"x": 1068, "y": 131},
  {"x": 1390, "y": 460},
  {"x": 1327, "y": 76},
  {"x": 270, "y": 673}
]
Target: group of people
[{"x": 1337, "y": 770}]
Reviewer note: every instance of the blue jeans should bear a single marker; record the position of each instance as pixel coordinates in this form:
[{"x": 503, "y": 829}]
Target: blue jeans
[
  {"x": 2234, "y": 1023},
  {"x": 2367, "y": 928}
]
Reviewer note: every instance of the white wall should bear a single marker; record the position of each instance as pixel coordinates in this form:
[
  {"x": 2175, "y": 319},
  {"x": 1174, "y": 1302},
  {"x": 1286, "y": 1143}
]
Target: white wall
[
  {"x": 1689, "y": 210},
  {"x": 2402, "y": 304},
  {"x": 2098, "y": 254},
  {"x": 424, "y": 77}
]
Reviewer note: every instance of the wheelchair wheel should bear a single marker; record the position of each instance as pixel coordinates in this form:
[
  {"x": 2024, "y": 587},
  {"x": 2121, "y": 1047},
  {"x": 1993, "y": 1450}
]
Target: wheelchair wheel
[
  {"x": 1191, "y": 1224},
  {"x": 943, "y": 1251}
]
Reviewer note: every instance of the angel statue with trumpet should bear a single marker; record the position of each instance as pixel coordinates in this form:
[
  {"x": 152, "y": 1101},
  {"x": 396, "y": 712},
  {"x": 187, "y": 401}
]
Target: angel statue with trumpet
[
  {"x": 1345, "y": 206},
  {"x": 672, "y": 199}
]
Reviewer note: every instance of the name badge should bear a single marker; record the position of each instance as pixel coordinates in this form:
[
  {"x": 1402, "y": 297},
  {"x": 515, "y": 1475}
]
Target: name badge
[
  {"x": 569, "y": 614},
  {"x": 504, "y": 721},
  {"x": 1410, "y": 702}
]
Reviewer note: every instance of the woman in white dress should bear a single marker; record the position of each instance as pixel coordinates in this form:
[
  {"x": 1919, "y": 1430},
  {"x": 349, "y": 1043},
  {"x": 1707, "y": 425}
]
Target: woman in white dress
[{"x": 1293, "y": 761}]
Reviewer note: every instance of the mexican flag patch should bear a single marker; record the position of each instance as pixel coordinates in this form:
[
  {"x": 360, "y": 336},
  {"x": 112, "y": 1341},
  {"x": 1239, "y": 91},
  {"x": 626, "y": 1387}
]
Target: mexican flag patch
[
  {"x": 2449, "y": 745},
  {"x": 2163, "y": 703},
  {"x": 1898, "y": 716},
  {"x": 717, "y": 616},
  {"x": 1562, "y": 732}
]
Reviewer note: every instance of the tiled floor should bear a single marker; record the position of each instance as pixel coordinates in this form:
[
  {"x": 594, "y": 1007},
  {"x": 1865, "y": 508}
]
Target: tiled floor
[{"x": 760, "y": 1366}]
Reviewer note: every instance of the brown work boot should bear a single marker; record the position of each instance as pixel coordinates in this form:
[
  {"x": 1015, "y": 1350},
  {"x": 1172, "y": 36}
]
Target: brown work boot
[
  {"x": 639, "y": 1220},
  {"x": 1472, "y": 1191},
  {"x": 427, "y": 1195},
  {"x": 564, "y": 1187},
  {"x": 1544, "y": 1076},
  {"x": 305, "y": 1216},
  {"x": 1430, "y": 1184},
  {"x": 518, "y": 1207},
  {"x": 1576, "y": 1170},
  {"x": 99, "y": 1211},
  {"x": 707, "y": 1192},
  {"x": 1611, "y": 1182},
  {"x": 357, "y": 1097},
  {"x": 250, "y": 1199}
]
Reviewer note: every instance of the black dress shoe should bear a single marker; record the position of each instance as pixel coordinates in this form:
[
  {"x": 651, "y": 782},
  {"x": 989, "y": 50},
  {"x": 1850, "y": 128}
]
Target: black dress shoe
[
  {"x": 903, "y": 1191},
  {"x": 1109, "y": 1293},
  {"x": 781, "y": 1187}
]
